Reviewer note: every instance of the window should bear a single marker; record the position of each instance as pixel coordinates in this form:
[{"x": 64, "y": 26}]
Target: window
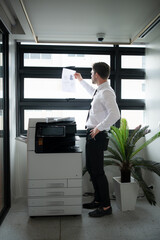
[
  {"x": 133, "y": 89},
  {"x": 131, "y": 85},
  {"x": 63, "y": 60},
  {"x": 132, "y": 61},
  {"x": 50, "y": 88},
  {"x": 79, "y": 115},
  {"x": 134, "y": 117},
  {"x": 40, "y": 89}
]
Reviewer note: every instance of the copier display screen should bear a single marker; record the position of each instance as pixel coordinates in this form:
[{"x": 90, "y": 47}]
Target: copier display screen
[{"x": 57, "y": 131}]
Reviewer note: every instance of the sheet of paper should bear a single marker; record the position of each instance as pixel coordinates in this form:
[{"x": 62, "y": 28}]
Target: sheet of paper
[{"x": 68, "y": 80}]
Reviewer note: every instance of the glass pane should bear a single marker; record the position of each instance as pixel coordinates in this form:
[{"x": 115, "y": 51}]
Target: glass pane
[
  {"x": 53, "y": 88},
  {"x": 63, "y": 60},
  {"x": 133, "y": 89},
  {"x": 79, "y": 115},
  {"x": 132, "y": 61},
  {"x": 1, "y": 87},
  {"x": 1, "y": 124},
  {"x": 1, "y": 129},
  {"x": 132, "y": 46},
  {"x": 133, "y": 117}
]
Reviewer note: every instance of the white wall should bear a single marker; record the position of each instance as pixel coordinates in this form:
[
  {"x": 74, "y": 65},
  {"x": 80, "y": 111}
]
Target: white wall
[
  {"x": 20, "y": 170},
  {"x": 153, "y": 105}
]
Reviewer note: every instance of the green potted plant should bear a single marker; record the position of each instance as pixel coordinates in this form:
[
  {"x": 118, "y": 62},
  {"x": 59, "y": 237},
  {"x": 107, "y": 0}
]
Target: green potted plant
[{"x": 123, "y": 153}]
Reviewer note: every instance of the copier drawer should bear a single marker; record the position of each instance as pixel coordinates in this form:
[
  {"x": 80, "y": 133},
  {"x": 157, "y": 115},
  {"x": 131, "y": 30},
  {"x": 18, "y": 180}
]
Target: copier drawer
[
  {"x": 75, "y": 182},
  {"x": 57, "y": 210},
  {"x": 56, "y": 201},
  {"x": 50, "y": 192},
  {"x": 59, "y": 183},
  {"x": 54, "y": 166}
]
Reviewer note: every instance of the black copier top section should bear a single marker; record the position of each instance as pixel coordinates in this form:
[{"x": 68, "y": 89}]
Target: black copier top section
[{"x": 55, "y": 137}]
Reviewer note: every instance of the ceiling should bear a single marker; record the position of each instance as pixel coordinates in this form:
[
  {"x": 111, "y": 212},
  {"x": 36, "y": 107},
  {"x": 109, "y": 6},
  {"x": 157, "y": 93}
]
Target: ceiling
[{"x": 62, "y": 21}]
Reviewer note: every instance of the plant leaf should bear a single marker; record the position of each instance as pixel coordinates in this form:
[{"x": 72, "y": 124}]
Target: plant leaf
[
  {"x": 115, "y": 143},
  {"x": 129, "y": 151},
  {"x": 112, "y": 162},
  {"x": 114, "y": 153},
  {"x": 157, "y": 135},
  {"x": 147, "y": 164},
  {"x": 124, "y": 130},
  {"x": 140, "y": 133},
  {"x": 107, "y": 156},
  {"x": 137, "y": 174},
  {"x": 133, "y": 134},
  {"x": 116, "y": 133}
]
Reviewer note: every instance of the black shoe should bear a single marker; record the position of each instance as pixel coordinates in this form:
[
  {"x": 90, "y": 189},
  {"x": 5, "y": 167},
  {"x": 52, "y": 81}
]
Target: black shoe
[
  {"x": 100, "y": 212},
  {"x": 91, "y": 205}
]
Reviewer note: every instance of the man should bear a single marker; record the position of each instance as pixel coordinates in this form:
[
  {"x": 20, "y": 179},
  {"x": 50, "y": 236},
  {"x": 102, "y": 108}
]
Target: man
[{"x": 102, "y": 115}]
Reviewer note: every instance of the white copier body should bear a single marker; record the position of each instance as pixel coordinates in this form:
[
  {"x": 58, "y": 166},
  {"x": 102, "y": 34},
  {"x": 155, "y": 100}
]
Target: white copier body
[{"x": 54, "y": 179}]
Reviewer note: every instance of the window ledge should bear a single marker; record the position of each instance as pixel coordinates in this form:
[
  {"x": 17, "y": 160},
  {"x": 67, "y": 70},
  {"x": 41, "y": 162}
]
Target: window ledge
[{"x": 21, "y": 138}]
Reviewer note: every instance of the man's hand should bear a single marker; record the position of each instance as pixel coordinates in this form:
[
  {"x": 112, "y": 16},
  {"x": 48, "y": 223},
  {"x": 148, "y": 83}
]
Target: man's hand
[
  {"x": 94, "y": 132},
  {"x": 78, "y": 76}
]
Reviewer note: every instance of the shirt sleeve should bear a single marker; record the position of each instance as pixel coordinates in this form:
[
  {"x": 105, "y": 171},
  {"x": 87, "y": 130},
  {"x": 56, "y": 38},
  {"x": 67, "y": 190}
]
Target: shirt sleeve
[
  {"x": 88, "y": 87},
  {"x": 113, "y": 113}
]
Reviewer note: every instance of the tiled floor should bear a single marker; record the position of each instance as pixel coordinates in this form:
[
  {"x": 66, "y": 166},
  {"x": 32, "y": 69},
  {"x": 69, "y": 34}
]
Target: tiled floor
[{"x": 141, "y": 224}]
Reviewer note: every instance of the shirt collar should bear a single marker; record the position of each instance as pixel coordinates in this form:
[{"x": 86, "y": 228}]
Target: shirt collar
[{"x": 103, "y": 85}]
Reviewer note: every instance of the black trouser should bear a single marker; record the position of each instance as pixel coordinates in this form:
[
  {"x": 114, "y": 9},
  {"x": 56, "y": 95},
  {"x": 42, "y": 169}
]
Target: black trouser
[{"x": 95, "y": 166}]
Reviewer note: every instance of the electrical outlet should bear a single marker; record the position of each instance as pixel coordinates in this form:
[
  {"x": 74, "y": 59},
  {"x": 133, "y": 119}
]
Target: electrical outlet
[{"x": 151, "y": 186}]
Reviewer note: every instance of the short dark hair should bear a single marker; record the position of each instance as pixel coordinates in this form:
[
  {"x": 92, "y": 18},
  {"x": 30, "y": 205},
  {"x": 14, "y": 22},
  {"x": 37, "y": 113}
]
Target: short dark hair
[{"x": 102, "y": 68}]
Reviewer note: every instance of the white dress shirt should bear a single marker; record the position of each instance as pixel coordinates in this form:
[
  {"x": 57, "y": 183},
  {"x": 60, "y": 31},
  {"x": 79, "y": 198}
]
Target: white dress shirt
[{"x": 104, "y": 110}]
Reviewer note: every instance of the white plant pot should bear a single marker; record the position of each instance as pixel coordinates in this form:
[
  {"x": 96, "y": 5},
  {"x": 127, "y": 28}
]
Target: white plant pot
[{"x": 126, "y": 194}]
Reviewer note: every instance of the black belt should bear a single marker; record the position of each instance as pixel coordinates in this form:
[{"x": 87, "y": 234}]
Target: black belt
[
  {"x": 98, "y": 136},
  {"x": 89, "y": 129}
]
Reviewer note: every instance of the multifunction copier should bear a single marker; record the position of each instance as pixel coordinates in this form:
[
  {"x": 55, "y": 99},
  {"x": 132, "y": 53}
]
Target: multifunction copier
[{"x": 54, "y": 164}]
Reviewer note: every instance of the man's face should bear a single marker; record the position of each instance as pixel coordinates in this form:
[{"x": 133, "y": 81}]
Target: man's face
[{"x": 93, "y": 77}]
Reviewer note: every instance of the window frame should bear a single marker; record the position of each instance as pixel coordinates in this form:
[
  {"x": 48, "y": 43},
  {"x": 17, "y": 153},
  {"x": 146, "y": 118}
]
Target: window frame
[
  {"x": 117, "y": 73},
  {"x": 5, "y": 134}
]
